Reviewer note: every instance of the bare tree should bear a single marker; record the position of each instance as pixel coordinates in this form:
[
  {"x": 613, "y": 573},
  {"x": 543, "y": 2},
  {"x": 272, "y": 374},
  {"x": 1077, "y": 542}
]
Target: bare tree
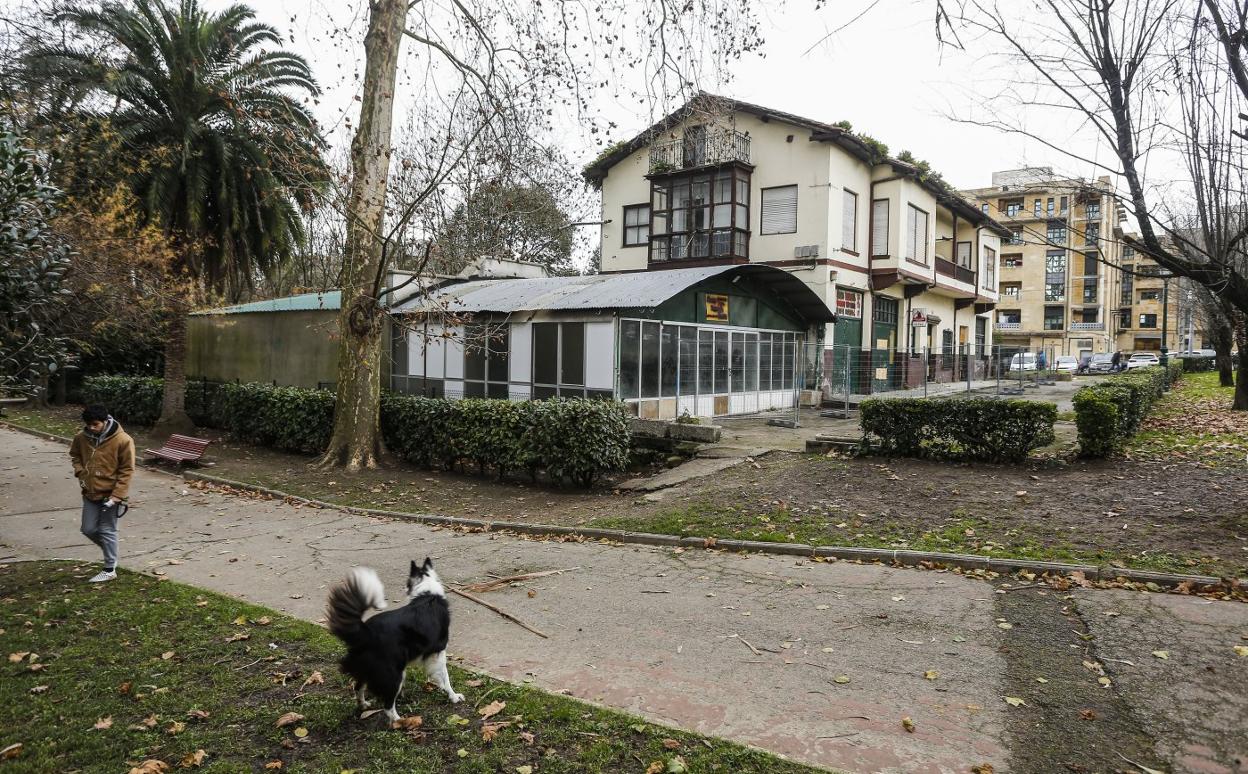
[{"x": 1149, "y": 80}]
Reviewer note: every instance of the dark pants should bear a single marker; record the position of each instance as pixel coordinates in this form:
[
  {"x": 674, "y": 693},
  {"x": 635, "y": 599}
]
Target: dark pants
[{"x": 99, "y": 524}]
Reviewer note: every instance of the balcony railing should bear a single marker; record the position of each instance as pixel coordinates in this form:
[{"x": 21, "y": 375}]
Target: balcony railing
[
  {"x": 1087, "y": 326},
  {"x": 716, "y": 147},
  {"x": 1009, "y": 326},
  {"x": 951, "y": 269}
]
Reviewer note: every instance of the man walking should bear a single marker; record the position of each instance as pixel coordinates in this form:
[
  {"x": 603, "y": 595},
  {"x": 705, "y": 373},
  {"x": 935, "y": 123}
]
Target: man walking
[
  {"x": 103, "y": 457},
  {"x": 1115, "y": 362}
]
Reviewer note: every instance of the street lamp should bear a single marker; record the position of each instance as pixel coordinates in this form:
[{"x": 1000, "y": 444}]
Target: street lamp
[{"x": 1165, "y": 316}]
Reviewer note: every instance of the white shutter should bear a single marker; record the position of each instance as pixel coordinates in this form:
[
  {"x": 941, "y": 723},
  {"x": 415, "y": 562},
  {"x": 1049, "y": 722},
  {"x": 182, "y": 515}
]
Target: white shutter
[
  {"x": 879, "y": 227},
  {"x": 911, "y": 229},
  {"x": 849, "y": 221},
  {"x": 922, "y": 236},
  {"x": 780, "y": 210}
]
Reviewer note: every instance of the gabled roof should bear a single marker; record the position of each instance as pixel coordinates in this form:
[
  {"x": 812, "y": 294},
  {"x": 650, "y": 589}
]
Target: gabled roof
[
  {"x": 329, "y": 300},
  {"x": 638, "y": 290},
  {"x": 821, "y": 132}
]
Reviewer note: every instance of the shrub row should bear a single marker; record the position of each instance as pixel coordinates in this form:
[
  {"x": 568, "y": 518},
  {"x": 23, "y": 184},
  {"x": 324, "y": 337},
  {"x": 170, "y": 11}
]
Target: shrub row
[
  {"x": 570, "y": 439},
  {"x": 958, "y": 428},
  {"x": 1198, "y": 364},
  {"x": 1110, "y": 412}
]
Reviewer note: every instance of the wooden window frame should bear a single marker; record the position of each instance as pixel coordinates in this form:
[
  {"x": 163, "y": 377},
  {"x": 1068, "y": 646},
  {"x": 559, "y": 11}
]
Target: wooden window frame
[
  {"x": 737, "y": 227},
  {"x": 851, "y": 248},
  {"x": 647, "y": 224},
  {"x": 927, "y": 222}
]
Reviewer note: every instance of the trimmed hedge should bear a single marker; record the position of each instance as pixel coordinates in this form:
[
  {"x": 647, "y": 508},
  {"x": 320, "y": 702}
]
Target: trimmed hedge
[
  {"x": 958, "y": 428},
  {"x": 570, "y": 439},
  {"x": 1110, "y": 412},
  {"x": 1198, "y": 364}
]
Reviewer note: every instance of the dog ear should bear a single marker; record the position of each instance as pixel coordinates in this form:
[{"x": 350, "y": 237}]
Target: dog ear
[
  {"x": 428, "y": 564},
  {"x": 414, "y": 571}
]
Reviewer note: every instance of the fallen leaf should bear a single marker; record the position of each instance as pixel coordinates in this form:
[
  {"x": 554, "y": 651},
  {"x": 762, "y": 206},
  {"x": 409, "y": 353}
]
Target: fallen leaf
[
  {"x": 655, "y": 767},
  {"x": 150, "y": 766},
  {"x": 1105, "y": 682},
  {"x": 288, "y": 718},
  {"x": 240, "y": 621},
  {"x": 907, "y": 724},
  {"x": 931, "y": 674},
  {"x": 263, "y": 620},
  {"x": 490, "y": 730},
  {"x": 301, "y": 732},
  {"x": 175, "y": 727},
  {"x": 197, "y": 714},
  {"x": 1014, "y": 701},
  {"x": 1005, "y": 625},
  {"x": 461, "y": 752},
  {"x": 273, "y": 765},
  {"x": 124, "y": 688},
  {"x": 456, "y": 720},
  {"x": 12, "y": 751},
  {"x": 475, "y": 683},
  {"x": 316, "y": 678},
  {"x": 527, "y": 737},
  {"x": 38, "y": 689},
  {"x": 409, "y": 723},
  {"x": 671, "y": 744},
  {"x": 193, "y": 760},
  {"x": 841, "y": 679},
  {"x": 104, "y": 723},
  {"x": 1162, "y": 654},
  {"x": 168, "y": 654},
  {"x": 19, "y": 656},
  {"x": 677, "y": 765},
  {"x": 526, "y": 769},
  {"x": 983, "y": 768},
  {"x": 237, "y": 637},
  {"x": 491, "y": 709},
  {"x": 1087, "y": 714},
  {"x": 1240, "y": 650},
  {"x": 532, "y": 593}
]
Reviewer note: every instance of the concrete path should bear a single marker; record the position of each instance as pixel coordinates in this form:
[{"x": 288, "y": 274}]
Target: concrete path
[{"x": 836, "y": 653}]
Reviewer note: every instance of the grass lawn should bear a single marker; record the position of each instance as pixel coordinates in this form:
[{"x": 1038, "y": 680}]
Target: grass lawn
[
  {"x": 105, "y": 678},
  {"x": 1194, "y": 422}
]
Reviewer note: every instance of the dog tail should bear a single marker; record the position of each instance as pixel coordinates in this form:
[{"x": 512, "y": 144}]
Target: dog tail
[{"x": 349, "y": 600}]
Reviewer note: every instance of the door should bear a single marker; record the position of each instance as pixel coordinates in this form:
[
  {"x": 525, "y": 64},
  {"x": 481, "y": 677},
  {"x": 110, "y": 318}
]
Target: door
[
  {"x": 846, "y": 340},
  {"x": 884, "y": 344}
]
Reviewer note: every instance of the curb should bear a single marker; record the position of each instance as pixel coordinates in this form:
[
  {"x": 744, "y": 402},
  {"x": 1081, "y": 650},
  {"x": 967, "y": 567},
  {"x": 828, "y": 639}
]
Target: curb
[{"x": 902, "y": 557}]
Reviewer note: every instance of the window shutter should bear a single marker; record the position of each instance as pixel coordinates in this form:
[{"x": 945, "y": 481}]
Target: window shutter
[
  {"x": 849, "y": 221},
  {"x": 780, "y": 210},
  {"x": 911, "y": 231},
  {"x": 879, "y": 227}
]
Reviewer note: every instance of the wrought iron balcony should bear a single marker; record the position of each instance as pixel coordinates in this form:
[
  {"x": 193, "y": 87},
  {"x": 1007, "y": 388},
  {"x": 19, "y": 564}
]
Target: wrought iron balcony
[{"x": 715, "y": 147}]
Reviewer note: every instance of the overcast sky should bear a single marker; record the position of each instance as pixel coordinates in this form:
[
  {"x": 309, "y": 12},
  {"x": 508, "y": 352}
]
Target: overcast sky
[{"x": 885, "y": 73}]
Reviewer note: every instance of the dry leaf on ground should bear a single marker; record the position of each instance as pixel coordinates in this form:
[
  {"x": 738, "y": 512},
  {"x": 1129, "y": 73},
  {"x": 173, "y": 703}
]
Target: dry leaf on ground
[
  {"x": 12, "y": 751},
  {"x": 316, "y": 678},
  {"x": 907, "y": 724},
  {"x": 288, "y": 718},
  {"x": 150, "y": 766},
  {"x": 193, "y": 760},
  {"x": 491, "y": 709},
  {"x": 408, "y": 723},
  {"x": 104, "y": 723}
]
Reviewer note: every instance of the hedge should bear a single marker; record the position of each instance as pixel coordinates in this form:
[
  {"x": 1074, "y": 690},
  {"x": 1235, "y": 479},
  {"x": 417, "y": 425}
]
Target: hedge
[
  {"x": 958, "y": 428},
  {"x": 570, "y": 439},
  {"x": 1110, "y": 412},
  {"x": 1198, "y": 364}
]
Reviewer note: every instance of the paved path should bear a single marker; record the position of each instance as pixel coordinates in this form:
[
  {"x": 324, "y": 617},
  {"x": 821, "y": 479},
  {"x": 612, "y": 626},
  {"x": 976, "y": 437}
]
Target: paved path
[{"x": 662, "y": 634}]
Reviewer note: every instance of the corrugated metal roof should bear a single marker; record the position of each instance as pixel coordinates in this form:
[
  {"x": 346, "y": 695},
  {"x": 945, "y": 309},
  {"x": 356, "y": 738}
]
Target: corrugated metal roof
[
  {"x": 636, "y": 290},
  {"x": 330, "y": 300}
]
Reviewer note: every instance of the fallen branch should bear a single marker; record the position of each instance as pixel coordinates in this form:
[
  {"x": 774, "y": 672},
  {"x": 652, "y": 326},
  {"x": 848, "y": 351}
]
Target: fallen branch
[
  {"x": 503, "y": 613},
  {"x": 1019, "y": 588},
  {"x": 490, "y": 585},
  {"x": 747, "y": 644}
]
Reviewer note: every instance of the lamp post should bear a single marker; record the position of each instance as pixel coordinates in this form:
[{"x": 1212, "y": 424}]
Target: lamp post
[{"x": 1165, "y": 317}]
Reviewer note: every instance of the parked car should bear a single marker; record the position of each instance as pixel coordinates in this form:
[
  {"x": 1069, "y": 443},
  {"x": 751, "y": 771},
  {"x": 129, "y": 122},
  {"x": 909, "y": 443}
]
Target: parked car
[
  {"x": 1101, "y": 363},
  {"x": 1023, "y": 361},
  {"x": 1066, "y": 363},
  {"x": 1197, "y": 353},
  {"x": 1143, "y": 360}
]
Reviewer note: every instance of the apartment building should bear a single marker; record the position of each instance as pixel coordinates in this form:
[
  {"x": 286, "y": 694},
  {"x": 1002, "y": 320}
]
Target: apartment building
[
  {"x": 1059, "y": 281},
  {"x": 1142, "y": 289},
  {"x": 907, "y": 264}
]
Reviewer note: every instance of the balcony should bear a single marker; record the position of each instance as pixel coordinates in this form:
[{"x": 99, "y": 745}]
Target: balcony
[
  {"x": 1009, "y": 326},
  {"x": 1087, "y": 326},
  {"x": 951, "y": 269},
  {"x": 722, "y": 146}
]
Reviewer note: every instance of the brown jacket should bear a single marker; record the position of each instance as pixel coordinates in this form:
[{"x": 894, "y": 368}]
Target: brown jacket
[{"x": 103, "y": 466}]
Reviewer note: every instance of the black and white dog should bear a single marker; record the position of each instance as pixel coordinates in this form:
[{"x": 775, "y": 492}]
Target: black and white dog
[{"x": 379, "y": 649}]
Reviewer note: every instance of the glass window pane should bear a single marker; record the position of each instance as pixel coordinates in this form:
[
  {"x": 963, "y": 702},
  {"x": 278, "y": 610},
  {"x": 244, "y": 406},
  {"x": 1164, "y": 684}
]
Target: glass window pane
[
  {"x": 721, "y": 243},
  {"x": 777, "y": 361},
  {"x": 738, "y": 362},
  {"x": 474, "y": 389},
  {"x": 789, "y": 352},
  {"x": 499, "y": 359},
  {"x": 751, "y": 361},
  {"x": 668, "y": 360},
  {"x": 660, "y": 223},
  {"x": 541, "y": 393},
  {"x": 721, "y": 362},
  {"x": 688, "y": 362},
  {"x": 764, "y": 361},
  {"x": 723, "y": 187},
  {"x": 706, "y": 361},
  {"x": 630, "y": 357},
  {"x": 496, "y": 390},
  {"x": 572, "y": 368},
  {"x": 723, "y": 216},
  {"x": 545, "y": 353},
  {"x": 650, "y": 360},
  {"x": 474, "y": 352}
]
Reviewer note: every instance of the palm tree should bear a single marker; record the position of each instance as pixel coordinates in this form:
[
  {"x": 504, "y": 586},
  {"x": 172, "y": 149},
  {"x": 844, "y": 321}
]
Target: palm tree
[{"x": 217, "y": 147}]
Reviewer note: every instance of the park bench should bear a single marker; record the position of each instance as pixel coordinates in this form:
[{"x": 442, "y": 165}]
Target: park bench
[
  {"x": 11, "y": 401},
  {"x": 180, "y": 449}
]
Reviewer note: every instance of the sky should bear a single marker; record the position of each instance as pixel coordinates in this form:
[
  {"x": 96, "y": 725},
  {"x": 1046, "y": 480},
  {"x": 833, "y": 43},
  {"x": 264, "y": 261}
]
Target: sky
[{"x": 884, "y": 72}]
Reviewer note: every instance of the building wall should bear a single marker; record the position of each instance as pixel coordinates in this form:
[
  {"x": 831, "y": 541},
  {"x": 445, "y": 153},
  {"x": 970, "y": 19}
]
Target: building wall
[
  {"x": 1133, "y": 336},
  {"x": 298, "y": 349}
]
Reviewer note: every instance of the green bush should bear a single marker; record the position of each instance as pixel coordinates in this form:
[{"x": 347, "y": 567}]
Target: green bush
[
  {"x": 1111, "y": 411},
  {"x": 1198, "y": 364},
  {"x": 130, "y": 399},
  {"x": 958, "y": 428}
]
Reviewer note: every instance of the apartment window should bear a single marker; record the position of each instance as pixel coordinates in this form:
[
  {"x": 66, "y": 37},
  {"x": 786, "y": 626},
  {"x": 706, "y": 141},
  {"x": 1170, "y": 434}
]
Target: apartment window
[
  {"x": 963, "y": 255},
  {"x": 779, "y": 210},
  {"x": 636, "y": 225},
  {"x": 1055, "y": 275},
  {"x": 983, "y": 208},
  {"x": 1089, "y": 292},
  {"x": 1148, "y": 321},
  {"x": 1150, "y": 295},
  {"x": 1036, "y": 207},
  {"x": 700, "y": 216},
  {"x": 916, "y": 235},
  {"x": 1012, "y": 261},
  {"x": 486, "y": 361},
  {"x": 1093, "y": 210},
  {"x": 879, "y": 227},
  {"x": 849, "y": 220},
  {"x": 1016, "y": 237},
  {"x": 990, "y": 268},
  {"x": 1013, "y": 208},
  {"x": 1057, "y": 233},
  {"x": 1128, "y": 252},
  {"x": 946, "y": 341},
  {"x": 559, "y": 359},
  {"x": 1049, "y": 208},
  {"x": 1063, "y": 203},
  {"x": 1010, "y": 317},
  {"x": 981, "y": 334},
  {"x": 1054, "y": 318},
  {"x": 1054, "y": 291},
  {"x": 1092, "y": 233},
  {"x": 848, "y": 303},
  {"x": 1128, "y": 285},
  {"x": 1011, "y": 290},
  {"x": 1091, "y": 265},
  {"x": 885, "y": 310},
  {"x": 1124, "y": 319}
]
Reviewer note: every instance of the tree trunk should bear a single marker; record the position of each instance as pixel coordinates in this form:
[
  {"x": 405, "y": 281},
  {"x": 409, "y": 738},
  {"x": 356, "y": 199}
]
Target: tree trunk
[
  {"x": 1223, "y": 339},
  {"x": 173, "y": 416},
  {"x": 356, "y": 441},
  {"x": 1241, "y": 378}
]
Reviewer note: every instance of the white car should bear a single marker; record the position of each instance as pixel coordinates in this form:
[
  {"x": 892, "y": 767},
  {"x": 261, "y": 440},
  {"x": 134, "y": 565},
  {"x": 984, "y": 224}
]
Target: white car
[
  {"x": 1066, "y": 363},
  {"x": 1023, "y": 361},
  {"x": 1143, "y": 360}
]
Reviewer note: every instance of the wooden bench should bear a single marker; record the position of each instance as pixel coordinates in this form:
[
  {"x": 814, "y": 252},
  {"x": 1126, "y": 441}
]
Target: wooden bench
[
  {"x": 180, "y": 449},
  {"x": 11, "y": 401}
]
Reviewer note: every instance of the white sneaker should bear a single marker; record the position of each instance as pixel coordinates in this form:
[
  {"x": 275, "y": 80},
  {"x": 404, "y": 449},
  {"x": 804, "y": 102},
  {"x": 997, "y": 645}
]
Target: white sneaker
[{"x": 106, "y": 575}]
